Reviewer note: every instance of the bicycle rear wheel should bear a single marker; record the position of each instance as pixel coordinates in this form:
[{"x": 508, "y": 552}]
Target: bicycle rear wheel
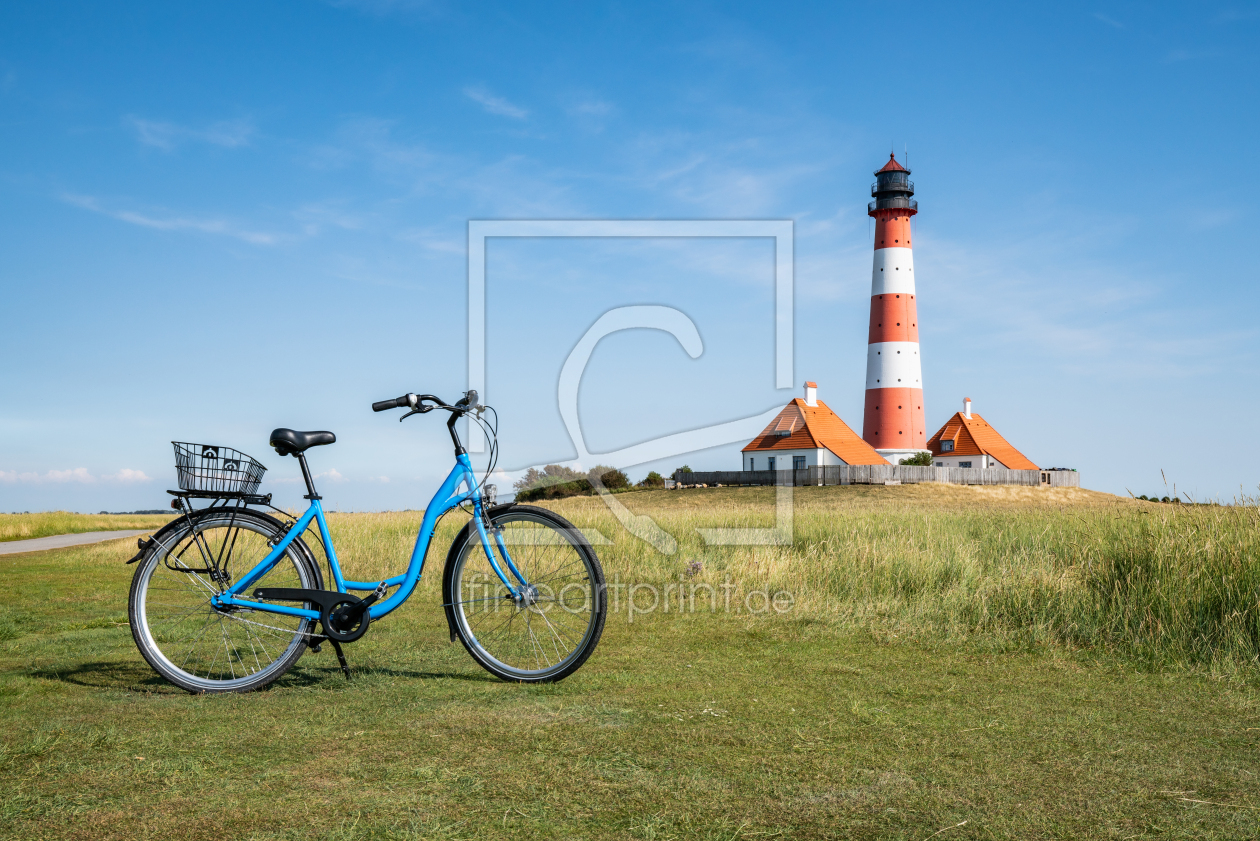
[
  {"x": 548, "y": 632},
  {"x": 196, "y": 646}
]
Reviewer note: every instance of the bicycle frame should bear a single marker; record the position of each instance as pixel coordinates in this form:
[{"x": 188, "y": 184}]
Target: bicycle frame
[{"x": 447, "y": 497}]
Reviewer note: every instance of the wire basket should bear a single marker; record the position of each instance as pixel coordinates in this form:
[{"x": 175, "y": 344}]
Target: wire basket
[{"x": 208, "y": 467}]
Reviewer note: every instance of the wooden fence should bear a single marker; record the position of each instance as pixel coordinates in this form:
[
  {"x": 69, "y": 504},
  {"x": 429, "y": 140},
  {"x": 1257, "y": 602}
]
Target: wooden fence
[{"x": 883, "y": 474}]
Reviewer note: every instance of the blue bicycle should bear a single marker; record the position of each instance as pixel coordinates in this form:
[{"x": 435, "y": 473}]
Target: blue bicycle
[{"x": 227, "y": 597}]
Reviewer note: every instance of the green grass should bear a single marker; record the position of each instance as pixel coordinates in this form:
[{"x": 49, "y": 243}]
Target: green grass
[
  {"x": 44, "y": 524},
  {"x": 924, "y": 678},
  {"x": 1009, "y": 567}
]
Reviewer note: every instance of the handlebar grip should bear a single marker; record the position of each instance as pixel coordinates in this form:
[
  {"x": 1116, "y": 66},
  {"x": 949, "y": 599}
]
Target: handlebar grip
[{"x": 385, "y": 405}]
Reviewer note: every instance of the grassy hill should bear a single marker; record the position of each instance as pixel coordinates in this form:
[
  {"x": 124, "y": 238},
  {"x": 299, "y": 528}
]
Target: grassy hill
[{"x": 973, "y": 662}]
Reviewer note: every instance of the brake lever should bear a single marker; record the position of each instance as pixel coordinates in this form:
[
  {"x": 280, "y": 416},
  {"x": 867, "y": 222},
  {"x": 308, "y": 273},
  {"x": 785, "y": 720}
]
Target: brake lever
[{"x": 419, "y": 410}]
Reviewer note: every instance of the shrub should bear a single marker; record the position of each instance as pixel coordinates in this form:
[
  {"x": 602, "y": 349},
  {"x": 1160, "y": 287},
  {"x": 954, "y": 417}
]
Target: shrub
[
  {"x": 652, "y": 480},
  {"x": 551, "y": 474},
  {"x": 918, "y": 460},
  {"x": 611, "y": 478},
  {"x": 555, "y": 490}
]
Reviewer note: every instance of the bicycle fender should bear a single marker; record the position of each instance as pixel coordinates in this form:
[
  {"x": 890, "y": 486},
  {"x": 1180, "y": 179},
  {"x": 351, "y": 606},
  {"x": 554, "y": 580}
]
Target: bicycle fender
[
  {"x": 145, "y": 545},
  {"x": 298, "y": 545},
  {"x": 448, "y": 598}
]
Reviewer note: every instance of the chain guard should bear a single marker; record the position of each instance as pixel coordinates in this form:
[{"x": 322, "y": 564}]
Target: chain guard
[{"x": 336, "y": 610}]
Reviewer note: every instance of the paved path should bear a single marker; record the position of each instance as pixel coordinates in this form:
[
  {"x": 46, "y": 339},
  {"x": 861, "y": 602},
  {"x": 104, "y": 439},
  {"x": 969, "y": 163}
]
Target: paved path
[{"x": 61, "y": 541}]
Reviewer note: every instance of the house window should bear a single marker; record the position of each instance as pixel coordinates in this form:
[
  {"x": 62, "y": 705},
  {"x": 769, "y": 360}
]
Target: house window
[
  {"x": 750, "y": 464},
  {"x": 772, "y": 462},
  {"x": 940, "y": 464},
  {"x": 947, "y": 446},
  {"x": 964, "y": 464},
  {"x": 798, "y": 462}
]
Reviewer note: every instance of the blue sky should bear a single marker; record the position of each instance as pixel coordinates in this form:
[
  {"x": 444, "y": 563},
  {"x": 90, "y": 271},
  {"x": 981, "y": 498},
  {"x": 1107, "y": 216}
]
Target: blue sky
[{"x": 218, "y": 219}]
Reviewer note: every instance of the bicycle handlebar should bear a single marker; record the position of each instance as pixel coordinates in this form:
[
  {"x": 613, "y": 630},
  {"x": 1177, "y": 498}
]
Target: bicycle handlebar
[
  {"x": 418, "y": 404},
  {"x": 385, "y": 405},
  {"x": 415, "y": 401}
]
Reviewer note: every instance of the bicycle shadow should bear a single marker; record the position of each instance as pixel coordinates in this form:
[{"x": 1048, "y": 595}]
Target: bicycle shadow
[
  {"x": 112, "y": 674},
  {"x": 138, "y": 677},
  {"x": 312, "y": 675}
]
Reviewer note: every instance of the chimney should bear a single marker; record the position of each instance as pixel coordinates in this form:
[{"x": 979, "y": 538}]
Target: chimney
[
  {"x": 811, "y": 394},
  {"x": 967, "y": 408}
]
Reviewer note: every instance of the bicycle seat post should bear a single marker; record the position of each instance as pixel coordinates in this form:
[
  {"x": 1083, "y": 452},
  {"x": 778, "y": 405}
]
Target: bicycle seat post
[{"x": 306, "y": 475}]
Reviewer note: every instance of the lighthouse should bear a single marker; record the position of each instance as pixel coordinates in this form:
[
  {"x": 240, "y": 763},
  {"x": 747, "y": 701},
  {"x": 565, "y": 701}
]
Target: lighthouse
[{"x": 893, "y": 422}]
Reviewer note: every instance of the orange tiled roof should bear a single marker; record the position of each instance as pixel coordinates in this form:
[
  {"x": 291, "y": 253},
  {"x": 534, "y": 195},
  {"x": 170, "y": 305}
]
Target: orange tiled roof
[
  {"x": 974, "y": 437},
  {"x": 891, "y": 166},
  {"x": 812, "y": 428}
]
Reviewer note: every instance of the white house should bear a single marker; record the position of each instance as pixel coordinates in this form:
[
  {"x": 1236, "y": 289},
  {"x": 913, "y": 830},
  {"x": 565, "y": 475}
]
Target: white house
[
  {"x": 807, "y": 434},
  {"x": 967, "y": 440}
]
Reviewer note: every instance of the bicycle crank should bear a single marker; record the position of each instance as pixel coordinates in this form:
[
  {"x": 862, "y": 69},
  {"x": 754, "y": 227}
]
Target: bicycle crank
[{"x": 345, "y": 618}]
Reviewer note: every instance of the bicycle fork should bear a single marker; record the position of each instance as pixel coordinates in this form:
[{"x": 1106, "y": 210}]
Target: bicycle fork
[{"x": 520, "y": 594}]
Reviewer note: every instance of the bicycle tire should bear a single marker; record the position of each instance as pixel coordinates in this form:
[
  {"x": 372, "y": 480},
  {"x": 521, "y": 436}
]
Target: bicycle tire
[
  {"x": 488, "y": 625},
  {"x": 164, "y": 616}
]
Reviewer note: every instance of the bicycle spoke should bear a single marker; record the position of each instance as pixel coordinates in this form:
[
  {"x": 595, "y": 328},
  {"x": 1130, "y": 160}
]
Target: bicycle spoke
[
  {"x": 559, "y": 572},
  {"x": 209, "y": 649},
  {"x": 205, "y": 627},
  {"x": 556, "y": 636}
]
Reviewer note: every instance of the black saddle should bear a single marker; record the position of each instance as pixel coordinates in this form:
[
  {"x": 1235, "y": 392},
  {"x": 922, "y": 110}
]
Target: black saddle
[{"x": 289, "y": 441}]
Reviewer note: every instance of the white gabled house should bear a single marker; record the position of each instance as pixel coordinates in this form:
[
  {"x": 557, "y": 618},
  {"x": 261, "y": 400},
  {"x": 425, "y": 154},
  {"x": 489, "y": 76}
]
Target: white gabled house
[{"x": 807, "y": 434}]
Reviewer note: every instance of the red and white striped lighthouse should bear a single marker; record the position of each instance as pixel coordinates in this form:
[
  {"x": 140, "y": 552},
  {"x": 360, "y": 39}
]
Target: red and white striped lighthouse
[{"x": 893, "y": 420}]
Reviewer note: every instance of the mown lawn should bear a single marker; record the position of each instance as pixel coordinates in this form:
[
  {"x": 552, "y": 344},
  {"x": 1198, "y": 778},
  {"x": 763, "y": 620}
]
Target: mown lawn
[{"x": 807, "y": 724}]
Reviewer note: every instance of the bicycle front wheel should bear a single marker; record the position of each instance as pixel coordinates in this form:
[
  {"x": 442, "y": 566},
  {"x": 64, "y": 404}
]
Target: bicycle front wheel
[
  {"x": 186, "y": 639},
  {"x": 549, "y": 629}
]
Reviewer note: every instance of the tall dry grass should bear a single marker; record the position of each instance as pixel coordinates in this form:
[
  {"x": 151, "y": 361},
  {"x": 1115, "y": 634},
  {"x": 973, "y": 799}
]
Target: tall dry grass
[
  {"x": 1007, "y": 567},
  {"x": 1161, "y": 583},
  {"x": 46, "y": 523}
]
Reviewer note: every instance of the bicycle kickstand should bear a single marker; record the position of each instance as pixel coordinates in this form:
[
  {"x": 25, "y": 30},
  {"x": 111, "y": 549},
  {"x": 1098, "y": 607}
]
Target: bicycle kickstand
[{"x": 341, "y": 658}]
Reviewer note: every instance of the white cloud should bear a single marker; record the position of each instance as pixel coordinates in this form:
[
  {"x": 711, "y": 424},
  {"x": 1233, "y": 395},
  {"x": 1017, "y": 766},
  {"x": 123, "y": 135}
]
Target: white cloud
[
  {"x": 331, "y": 475},
  {"x": 80, "y": 475},
  {"x": 127, "y": 475},
  {"x": 170, "y": 223},
  {"x": 1109, "y": 21},
  {"x": 495, "y": 104},
  {"x": 510, "y": 186},
  {"x": 230, "y": 134}
]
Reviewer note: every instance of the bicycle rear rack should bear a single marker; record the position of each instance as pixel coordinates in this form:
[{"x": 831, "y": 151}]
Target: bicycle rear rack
[{"x": 226, "y": 498}]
